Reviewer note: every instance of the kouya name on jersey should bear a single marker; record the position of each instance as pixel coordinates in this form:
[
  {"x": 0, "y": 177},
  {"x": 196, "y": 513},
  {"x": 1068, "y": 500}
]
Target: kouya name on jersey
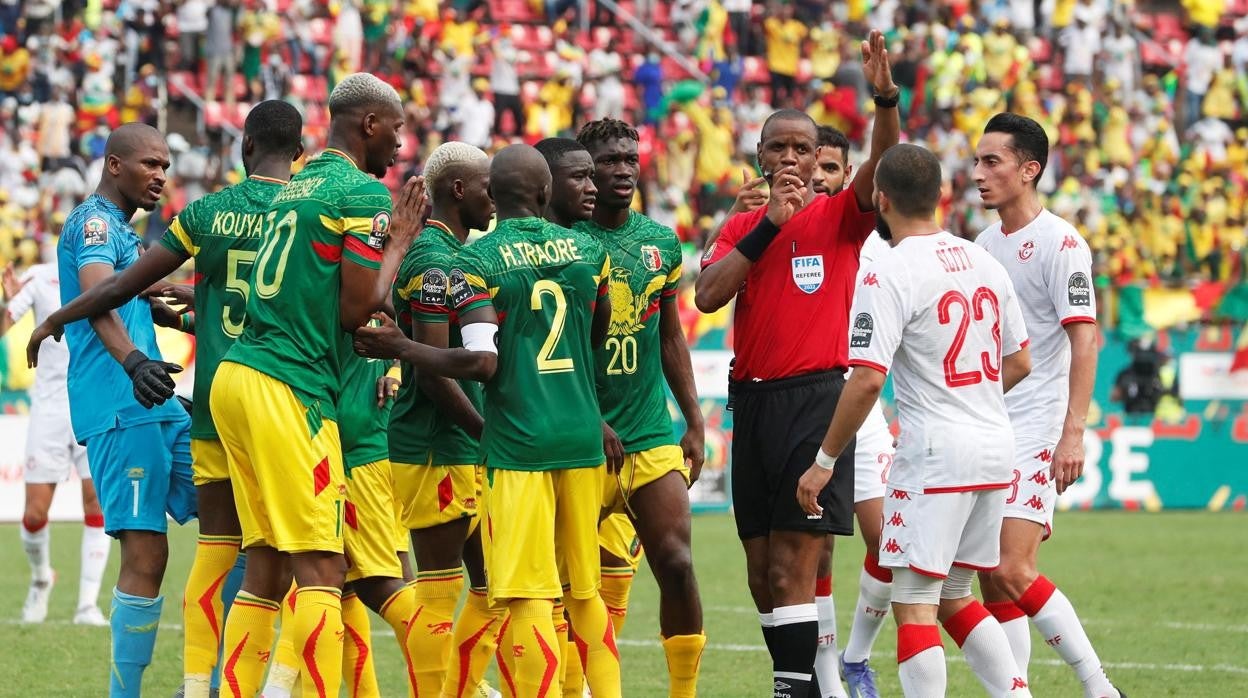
[
  {"x": 544, "y": 281},
  {"x": 223, "y": 232},
  {"x": 419, "y": 431},
  {"x": 940, "y": 313},
  {"x": 645, "y": 270},
  {"x": 331, "y": 211}
]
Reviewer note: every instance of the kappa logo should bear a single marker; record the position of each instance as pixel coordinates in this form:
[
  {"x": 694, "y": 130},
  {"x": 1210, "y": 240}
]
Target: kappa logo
[
  {"x": 1026, "y": 250},
  {"x": 95, "y": 231},
  {"x": 1035, "y": 503},
  {"x": 861, "y": 331},
  {"x": 899, "y": 494},
  {"x": 433, "y": 287},
  {"x": 1040, "y": 478},
  {"x": 896, "y": 520},
  {"x": 892, "y": 547},
  {"x": 651, "y": 258},
  {"x": 1069, "y": 243},
  {"x": 1018, "y": 683},
  {"x": 808, "y": 272},
  {"x": 870, "y": 280},
  {"x": 380, "y": 228},
  {"x": 1045, "y": 456},
  {"x": 1078, "y": 290}
]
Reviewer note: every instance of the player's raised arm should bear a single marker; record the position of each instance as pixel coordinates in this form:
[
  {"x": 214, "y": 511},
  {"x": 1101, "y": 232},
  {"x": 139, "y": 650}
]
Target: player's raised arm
[{"x": 887, "y": 126}]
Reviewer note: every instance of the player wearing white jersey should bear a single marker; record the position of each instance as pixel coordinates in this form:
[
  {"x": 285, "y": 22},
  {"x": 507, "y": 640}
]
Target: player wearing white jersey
[
  {"x": 51, "y": 451},
  {"x": 1051, "y": 267},
  {"x": 942, "y": 314}
]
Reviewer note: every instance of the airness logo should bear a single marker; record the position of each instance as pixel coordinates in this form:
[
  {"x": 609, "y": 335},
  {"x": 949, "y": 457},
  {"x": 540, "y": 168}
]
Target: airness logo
[
  {"x": 433, "y": 287},
  {"x": 95, "y": 231},
  {"x": 651, "y": 258},
  {"x": 860, "y": 333},
  {"x": 1078, "y": 290},
  {"x": 381, "y": 228}
]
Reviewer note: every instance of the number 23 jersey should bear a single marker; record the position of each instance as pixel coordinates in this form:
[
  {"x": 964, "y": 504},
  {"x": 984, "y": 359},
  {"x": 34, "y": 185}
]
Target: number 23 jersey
[
  {"x": 940, "y": 312},
  {"x": 544, "y": 282}
]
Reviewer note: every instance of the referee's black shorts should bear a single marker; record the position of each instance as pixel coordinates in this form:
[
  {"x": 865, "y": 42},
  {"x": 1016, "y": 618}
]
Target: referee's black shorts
[{"x": 777, "y": 428}]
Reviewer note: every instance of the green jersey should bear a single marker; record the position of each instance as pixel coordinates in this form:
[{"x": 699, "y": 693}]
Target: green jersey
[
  {"x": 544, "y": 281},
  {"x": 361, "y": 423},
  {"x": 419, "y": 432},
  {"x": 223, "y": 232},
  {"x": 329, "y": 212},
  {"x": 645, "y": 269}
]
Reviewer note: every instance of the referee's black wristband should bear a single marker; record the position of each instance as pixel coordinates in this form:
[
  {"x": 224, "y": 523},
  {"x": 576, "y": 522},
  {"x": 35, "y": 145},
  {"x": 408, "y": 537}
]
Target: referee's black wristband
[{"x": 756, "y": 241}]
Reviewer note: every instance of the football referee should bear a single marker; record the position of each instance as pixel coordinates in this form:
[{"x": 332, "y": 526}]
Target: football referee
[{"x": 791, "y": 265}]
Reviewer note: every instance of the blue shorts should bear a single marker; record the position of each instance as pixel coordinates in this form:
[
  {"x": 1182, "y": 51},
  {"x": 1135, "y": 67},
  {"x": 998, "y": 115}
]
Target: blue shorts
[{"x": 144, "y": 473}]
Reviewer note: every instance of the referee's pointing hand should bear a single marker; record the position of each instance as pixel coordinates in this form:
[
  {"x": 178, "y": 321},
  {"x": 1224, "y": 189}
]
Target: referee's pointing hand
[{"x": 808, "y": 488}]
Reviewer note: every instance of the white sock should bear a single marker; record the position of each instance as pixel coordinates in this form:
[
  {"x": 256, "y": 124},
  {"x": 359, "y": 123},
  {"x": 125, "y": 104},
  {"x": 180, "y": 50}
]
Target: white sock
[
  {"x": 987, "y": 651},
  {"x": 95, "y": 548},
  {"x": 1059, "y": 626},
  {"x": 869, "y": 615},
  {"x": 281, "y": 681},
  {"x": 1018, "y": 632},
  {"x": 923, "y": 675},
  {"x": 37, "y": 545},
  {"x": 827, "y": 668}
]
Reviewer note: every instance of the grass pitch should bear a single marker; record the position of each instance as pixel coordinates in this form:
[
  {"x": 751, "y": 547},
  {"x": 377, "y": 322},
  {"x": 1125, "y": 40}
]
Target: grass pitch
[{"x": 1164, "y": 598}]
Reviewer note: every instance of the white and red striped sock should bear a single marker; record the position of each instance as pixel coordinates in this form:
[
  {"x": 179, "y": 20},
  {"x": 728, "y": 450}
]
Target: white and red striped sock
[
  {"x": 1055, "y": 618},
  {"x": 987, "y": 650},
  {"x": 1017, "y": 630},
  {"x": 921, "y": 661}
]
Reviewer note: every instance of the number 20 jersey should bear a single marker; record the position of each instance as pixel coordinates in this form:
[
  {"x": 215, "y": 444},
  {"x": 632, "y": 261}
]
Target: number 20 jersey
[
  {"x": 223, "y": 232},
  {"x": 544, "y": 281},
  {"x": 329, "y": 212},
  {"x": 940, "y": 312}
]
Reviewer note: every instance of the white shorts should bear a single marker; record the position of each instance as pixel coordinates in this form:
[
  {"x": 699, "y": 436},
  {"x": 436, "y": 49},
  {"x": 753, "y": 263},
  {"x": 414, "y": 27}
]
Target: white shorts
[
  {"x": 1032, "y": 496},
  {"x": 931, "y": 533},
  {"x": 51, "y": 449},
  {"x": 873, "y": 455}
]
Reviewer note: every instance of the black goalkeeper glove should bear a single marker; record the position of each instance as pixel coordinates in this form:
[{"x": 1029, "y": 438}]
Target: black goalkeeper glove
[{"x": 152, "y": 384}]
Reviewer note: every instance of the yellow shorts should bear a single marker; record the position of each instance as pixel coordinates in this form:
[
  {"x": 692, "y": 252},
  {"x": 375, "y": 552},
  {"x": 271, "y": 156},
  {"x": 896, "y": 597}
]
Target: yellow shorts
[
  {"x": 285, "y": 462},
  {"x": 641, "y": 469},
  {"x": 208, "y": 462},
  {"x": 617, "y": 536},
  {"x": 538, "y": 523},
  {"x": 431, "y": 495},
  {"x": 369, "y": 515}
]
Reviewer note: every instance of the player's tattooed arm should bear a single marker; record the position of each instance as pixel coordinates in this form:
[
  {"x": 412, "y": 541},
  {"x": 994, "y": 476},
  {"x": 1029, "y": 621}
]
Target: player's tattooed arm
[
  {"x": 678, "y": 370},
  {"x": 108, "y": 291},
  {"x": 860, "y": 394},
  {"x": 444, "y": 392}
]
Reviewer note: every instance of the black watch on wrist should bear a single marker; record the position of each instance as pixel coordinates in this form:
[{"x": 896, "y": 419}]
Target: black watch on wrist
[{"x": 887, "y": 102}]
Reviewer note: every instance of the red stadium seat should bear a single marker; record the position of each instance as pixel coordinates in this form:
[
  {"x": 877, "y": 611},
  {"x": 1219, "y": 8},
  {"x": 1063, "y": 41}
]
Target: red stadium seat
[{"x": 213, "y": 114}]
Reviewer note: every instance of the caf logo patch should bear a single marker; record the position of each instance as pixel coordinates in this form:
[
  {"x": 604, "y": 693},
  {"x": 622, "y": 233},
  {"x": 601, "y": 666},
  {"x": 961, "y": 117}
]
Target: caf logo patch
[
  {"x": 1078, "y": 290},
  {"x": 95, "y": 231},
  {"x": 651, "y": 258},
  {"x": 433, "y": 288},
  {"x": 380, "y": 228},
  {"x": 861, "y": 331},
  {"x": 459, "y": 289}
]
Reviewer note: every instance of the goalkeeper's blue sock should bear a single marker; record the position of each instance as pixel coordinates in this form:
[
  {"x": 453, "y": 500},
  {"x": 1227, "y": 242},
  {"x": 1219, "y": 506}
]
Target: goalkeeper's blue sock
[{"x": 134, "y": 622}]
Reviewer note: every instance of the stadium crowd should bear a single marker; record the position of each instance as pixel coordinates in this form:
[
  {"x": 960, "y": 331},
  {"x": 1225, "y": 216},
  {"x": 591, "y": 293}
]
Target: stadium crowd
[{"x": 1146, "y": 110}]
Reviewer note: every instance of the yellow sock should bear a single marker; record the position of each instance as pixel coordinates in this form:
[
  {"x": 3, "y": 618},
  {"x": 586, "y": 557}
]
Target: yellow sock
[
  {"x": 684, "y": 658},
  {"x": 428, "y": 640},
  {"x": 249, "y": 635},
  {"x": 506, "y": 657},
  {"x": 559, "y": 618},
  {"x": 318, "y": 640},
  {"x": 595, "y": 640},
  {"x": 536, "y": 648},
  {"x": 357, "y": 649},
  {"x": 473, "y": 642},
  {"x": 202, "y": 607},
  {"x": 617, "y": 582},
  {"x": 284, "y": 671},
  {"x": 573, "y": 670}
]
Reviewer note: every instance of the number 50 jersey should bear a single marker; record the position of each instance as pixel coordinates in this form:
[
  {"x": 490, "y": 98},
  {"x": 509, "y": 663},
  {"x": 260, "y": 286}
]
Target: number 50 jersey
[
  {"x": 941, "y": 312},
  {"x": 544, "y": 281},
  {"x": 329, "y": 212},
  {"x": 223, "y": 232}
]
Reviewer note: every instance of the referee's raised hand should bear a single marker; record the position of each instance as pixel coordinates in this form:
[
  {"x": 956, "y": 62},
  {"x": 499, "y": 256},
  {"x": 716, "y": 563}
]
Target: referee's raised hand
[{"x": 788, "y": 193}]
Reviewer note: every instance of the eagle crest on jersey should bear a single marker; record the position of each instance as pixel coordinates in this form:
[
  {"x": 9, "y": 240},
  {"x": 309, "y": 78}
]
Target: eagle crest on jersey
[{"x": 627, "y": 308}]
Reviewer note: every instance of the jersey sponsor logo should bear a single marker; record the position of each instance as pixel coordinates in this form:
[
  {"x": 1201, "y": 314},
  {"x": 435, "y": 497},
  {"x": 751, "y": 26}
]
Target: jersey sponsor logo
[
  {"x": 433, "y": 287},
  {"x": 651, "y": 258},
  {"x": 1078, "y": 290},
  {"x": 1026, "y": 250},
  {"x": 1045, "y": 456},
  {"x": 1069, "y": 243},
  {"x": 459, "y": 290},
  {"x": 870, "y": 280},
  {"x": 380, "y": 228},
  {"x": 861, "y": 331},
  {"x": 808, "y": 272},
  {"x": 95, "y": 231}
]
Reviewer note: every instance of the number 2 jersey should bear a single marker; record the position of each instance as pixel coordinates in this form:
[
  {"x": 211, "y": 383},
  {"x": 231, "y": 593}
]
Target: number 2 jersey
[
  {"x": 940, "y": 312},
  {"x": 645, "y": 270},
  {"x": 223, "y": 232},
  {"x": 329, "y": 212},
  {"x": 544, "y": 281}
]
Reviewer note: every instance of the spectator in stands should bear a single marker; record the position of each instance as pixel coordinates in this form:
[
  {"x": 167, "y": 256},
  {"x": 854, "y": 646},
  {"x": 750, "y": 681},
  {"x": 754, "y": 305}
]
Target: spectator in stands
[
  {"x": 649, "y": 77},
  {"x": 192, "y": 25},
  {"x": 1201, "y": 58},
  {"x": 219, "y": 51},
  {"x": 750, "y": 118},
  {"x": 739, "y": 23},
  {"x": 1081, "y": 42},
  {"x": 505, "y": 82},
  {"x": 474, "y": 118},
  {"x": 785, "y": 35}
]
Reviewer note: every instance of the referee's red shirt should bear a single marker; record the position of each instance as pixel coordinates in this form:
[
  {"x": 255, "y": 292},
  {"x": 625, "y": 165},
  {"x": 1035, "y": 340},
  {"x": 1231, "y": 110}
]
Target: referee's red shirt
[{"x": 792, "y": 313}]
